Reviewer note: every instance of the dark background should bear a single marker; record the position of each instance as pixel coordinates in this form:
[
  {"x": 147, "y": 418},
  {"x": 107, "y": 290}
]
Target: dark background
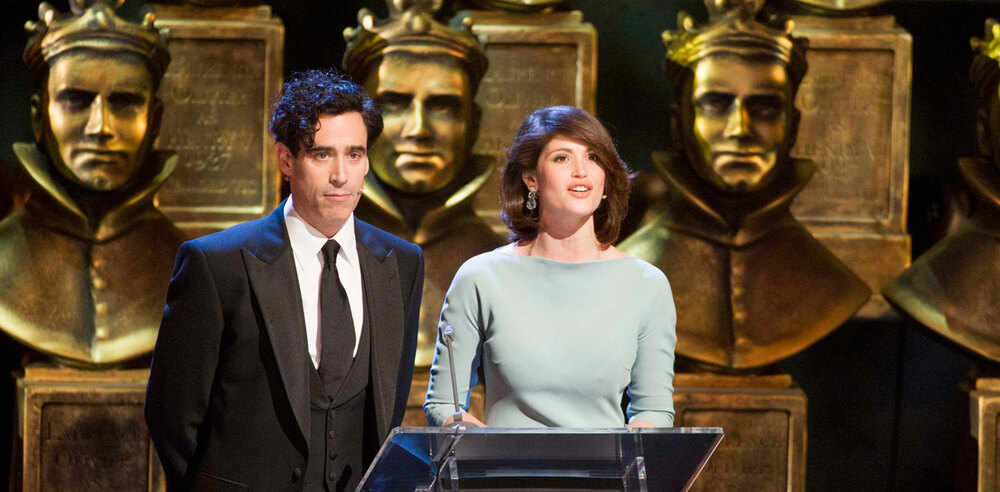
[{"x": 888, "y": 400}]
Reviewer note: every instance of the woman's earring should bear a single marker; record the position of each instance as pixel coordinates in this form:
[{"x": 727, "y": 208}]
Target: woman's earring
[
  {"x": 604, "y": 197},
  {"x": 532, "y": 201}
]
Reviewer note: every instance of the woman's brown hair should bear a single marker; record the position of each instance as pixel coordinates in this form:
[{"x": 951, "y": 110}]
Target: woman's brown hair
[{"x": 522, "y": 157}]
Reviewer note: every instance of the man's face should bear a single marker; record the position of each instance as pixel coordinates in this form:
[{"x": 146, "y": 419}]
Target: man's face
[
  {"x": 326, "y": 180},
  {"x": 427, "y": 109},
  {"x": 98, "y": 110},
  {"x": 740, "y": 121}
]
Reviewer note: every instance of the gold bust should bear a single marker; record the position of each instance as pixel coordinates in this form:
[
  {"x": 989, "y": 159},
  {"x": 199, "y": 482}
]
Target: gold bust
[
  {"x": 952, "y": 288},
  {"x": 751, "y": 285},
  {"x": 86, "y": 261},
  {"x": 424, "y": 176}
]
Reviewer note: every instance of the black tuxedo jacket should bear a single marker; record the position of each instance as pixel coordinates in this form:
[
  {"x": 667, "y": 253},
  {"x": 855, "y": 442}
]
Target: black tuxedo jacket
[{"x": 228, "y": 398}]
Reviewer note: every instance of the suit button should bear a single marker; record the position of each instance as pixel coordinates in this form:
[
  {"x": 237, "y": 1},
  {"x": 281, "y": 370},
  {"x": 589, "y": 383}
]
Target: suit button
[
  {"x": 333, "y": 434},
  {"x": 333, "y": 476},
  {"x": 296, "y": 474},
  {"x": 333, "y": 455}
]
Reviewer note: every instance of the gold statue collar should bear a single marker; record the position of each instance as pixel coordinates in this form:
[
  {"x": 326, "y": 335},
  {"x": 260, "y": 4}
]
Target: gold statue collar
[
  {"x": 53, "y": 205},
  {"x": 437, "y": 221},
  {"x": 699, "y": 210}
]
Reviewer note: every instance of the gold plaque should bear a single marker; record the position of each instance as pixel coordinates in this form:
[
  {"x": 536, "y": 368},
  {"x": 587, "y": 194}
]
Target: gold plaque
[
  {"x": 855, "y": 104},
  {"x": 225, "y": 72},
  {"x": 985, "y": 417},
  {"x": 535, "y": 61},
  {"x": 764, "y": 418},
  {"x": 85, "y": 431}
]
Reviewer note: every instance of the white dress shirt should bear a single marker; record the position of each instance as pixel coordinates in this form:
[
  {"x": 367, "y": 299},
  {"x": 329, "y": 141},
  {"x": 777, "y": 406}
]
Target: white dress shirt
[{"x": 307, "y": 244}]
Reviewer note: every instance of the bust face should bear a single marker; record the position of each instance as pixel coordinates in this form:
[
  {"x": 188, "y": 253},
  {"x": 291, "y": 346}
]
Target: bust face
[
  {"x": 98, "y": 108},
  {"x": 428, "y": 113},
  {"x": 736, "y": 122}
]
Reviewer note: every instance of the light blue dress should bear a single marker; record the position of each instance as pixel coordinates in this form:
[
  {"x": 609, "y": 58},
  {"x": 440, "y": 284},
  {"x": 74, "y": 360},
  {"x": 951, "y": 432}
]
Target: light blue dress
[{"x": 558, "y": 341}]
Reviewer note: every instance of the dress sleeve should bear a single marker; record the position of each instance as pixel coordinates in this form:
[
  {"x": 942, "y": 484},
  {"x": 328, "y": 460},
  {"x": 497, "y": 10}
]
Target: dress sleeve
[
  {"x": 463, "y": 311},
  {"x": 652, "y": 386}
]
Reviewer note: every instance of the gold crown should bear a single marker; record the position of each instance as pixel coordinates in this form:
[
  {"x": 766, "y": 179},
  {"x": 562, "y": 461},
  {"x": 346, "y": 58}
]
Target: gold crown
[
  {"x": 411, "y": 28},
  {"x": 989, "y": 45},
  {"x": 93, "y": 25},
  {"x": 731, "y": 29}
]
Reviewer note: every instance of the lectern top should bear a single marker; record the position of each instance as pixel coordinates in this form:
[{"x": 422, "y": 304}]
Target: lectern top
[{"x": 424, "y": 459}]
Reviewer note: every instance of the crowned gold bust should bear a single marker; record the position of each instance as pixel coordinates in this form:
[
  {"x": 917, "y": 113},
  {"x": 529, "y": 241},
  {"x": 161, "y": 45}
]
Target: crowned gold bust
[
  {"x": 952, "y": 288},
  {"x": 751, "y": 285},
  {"x": 424, "y": 176},
  {"x": 86, "y": 261}
]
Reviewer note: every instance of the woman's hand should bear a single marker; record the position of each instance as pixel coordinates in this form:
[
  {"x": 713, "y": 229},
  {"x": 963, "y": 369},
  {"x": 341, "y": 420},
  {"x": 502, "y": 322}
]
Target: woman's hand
[
  {"x": 639, "y": 424},
  {"x": 468, "y": 420}
]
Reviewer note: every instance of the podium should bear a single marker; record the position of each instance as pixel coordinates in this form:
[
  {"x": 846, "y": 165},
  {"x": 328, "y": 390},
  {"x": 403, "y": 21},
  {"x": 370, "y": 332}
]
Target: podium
[{"x": 422, "y": 459}]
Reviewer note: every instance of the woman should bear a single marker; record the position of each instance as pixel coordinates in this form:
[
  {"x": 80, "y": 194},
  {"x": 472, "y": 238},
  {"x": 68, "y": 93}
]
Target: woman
[{"x": 560, "y": 320}]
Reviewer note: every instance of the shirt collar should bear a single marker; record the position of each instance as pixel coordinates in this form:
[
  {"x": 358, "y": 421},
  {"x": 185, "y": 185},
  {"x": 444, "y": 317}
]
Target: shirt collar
[{"x": 307, "y": 241}]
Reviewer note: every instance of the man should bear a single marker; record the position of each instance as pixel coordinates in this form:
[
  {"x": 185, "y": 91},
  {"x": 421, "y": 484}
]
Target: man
[
  {"x": 952, "y": 288},
  {"x": 751, "y": 285},
  {"x": 424, "y": 175},
  {"x": 69, "y": 256},
  {"x": 286, "y": 348}
]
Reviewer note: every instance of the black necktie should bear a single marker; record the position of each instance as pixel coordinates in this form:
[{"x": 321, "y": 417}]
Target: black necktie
[{"x": 337, "y": 324}]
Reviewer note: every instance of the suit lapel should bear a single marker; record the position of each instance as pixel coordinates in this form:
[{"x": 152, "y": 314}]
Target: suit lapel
[
  {"x": 271, "y": 270},
  {"x": 384, "y": 309}
]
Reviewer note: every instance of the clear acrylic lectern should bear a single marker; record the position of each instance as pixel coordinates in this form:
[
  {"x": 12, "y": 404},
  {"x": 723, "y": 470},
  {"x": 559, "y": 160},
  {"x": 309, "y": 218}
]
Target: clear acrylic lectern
[{"x": 425, "y": 459}]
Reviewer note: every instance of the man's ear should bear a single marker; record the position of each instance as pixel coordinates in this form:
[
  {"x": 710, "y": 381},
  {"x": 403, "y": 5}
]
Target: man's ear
[
  {"x": 983, "y": 133},
  {"x": 37, "y": 115},
  {"x": 285, "y": 158}
]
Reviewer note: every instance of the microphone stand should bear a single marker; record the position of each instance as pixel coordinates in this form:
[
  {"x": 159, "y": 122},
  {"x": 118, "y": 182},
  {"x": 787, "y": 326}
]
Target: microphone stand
[
  {"x": 445, "y": 458},
  {"x": 448, "y": 333}
]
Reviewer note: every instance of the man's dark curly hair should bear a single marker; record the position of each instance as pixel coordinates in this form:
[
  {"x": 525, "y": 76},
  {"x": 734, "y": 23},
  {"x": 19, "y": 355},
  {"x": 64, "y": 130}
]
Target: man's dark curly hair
[{"x": 312, "y": 93}]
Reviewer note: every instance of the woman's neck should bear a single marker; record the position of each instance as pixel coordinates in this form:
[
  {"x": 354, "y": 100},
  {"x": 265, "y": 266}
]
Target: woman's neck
[{"x": 565, "y": 241}]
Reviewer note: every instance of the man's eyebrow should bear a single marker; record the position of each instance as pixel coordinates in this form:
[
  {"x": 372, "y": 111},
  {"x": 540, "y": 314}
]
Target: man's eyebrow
[{"x": 352, "y": 148}]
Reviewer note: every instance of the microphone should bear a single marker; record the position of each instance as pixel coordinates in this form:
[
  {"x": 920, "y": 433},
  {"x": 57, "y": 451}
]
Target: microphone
[{"x": 448, "y": 333}]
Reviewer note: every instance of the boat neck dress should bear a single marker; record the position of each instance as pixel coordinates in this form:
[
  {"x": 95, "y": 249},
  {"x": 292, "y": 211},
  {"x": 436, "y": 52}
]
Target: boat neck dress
[{"x": 558, "y": 342}]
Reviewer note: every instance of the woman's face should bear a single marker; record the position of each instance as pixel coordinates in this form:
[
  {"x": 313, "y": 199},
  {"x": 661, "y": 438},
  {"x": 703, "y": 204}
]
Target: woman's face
[{"x": 569, "y": 180}]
